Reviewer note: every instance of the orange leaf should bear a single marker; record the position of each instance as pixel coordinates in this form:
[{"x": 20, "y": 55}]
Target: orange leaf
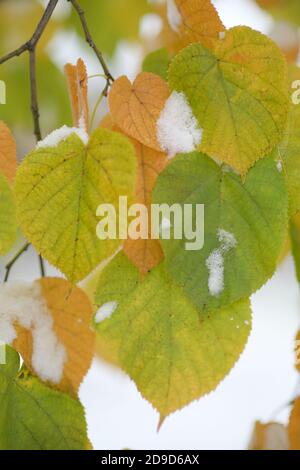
[
  {"x": 8, "y": 153},
  {"x": 294, "y": 426},
  {"x": 136, "y": 107},
  {"x": 270, "y": 436},
  {"x": 193, "y": 21},
  {"x": 297, "y": 351},
  {"x": 72, "y": 314},
  {"x": 145, "y": 254},
  {"x": 78, "y": 91}
]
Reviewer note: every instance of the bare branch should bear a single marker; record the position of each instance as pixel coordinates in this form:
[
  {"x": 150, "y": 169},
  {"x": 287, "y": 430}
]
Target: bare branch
[
  {"x": 15, "y": 258},
  {"x": 31, "y": 44},
  {"x": 90, "y": 41}
]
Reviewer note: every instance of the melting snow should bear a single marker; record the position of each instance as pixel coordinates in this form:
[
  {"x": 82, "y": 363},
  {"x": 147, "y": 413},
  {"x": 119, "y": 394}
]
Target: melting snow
[
  {"x": 61, "y": 134},
  {"x": 177, "y": 127},
  {"x": 24, "y": 304},
  {"x": 174, "y": 16},
  {"x": 215, "y": 262},
  {"x": 105, "y": 311}
]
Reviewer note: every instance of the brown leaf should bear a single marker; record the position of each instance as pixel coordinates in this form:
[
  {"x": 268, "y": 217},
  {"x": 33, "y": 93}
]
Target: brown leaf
[
  {"x": 270, "y": 436},
  {"x": 78, "y": 91},
  {"x": 145, "y": 254},
  {"x": 294, "y": 426},
  {"x": 8, "y": 153},
  {"x": 72, "y": 315},
  {"x": 198, "y": 21},
  {"x": 136, "y": 107}
]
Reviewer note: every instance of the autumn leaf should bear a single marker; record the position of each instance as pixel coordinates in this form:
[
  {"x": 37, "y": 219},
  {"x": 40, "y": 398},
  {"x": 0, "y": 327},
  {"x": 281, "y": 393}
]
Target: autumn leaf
[
  {"x": 294, "y": 426},
  {"x": 8, "y": 152},
  {"x": 245, "y": 227},
  {"x": 238, "y": 93},
  {"x": 173, "y": 352},
  {"x": 194, "y": 21},
  {"x": 34, "y": 416},
  {"x": 146, "y": 253},
  {"x": 135, "y": 108},
  {"x": 295, "y": 241},
  {"x": 78, "y": 91},
  {"x": 71, "y": 313},
  {"x": 287, "y": 153},
  {"x": 58, "y": 190},
  {"x": 157, "y": 62},
  {"x": 8, "y": 221},
  {"x": 270, "y": 436},
  {"x": 143, "y": 253}
]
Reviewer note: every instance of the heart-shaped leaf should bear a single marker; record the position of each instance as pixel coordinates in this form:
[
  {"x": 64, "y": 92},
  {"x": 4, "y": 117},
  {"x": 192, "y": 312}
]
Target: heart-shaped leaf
[
  {"x": 244, "y": 229},
  {"x": 173, "y": 352},
  {"x": 238, "y": 93}
]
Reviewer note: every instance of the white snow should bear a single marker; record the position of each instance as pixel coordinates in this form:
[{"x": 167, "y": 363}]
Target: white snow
[
  {"x": 173, "y": 14},
  {"x": 215, "y": 262},
  {"x": 177, "y": 128},
  {"x": 23, "y": 304},
  {"x": 105, "y": 311},
  {"x": 53, "y": 139},
  {"x": 279, "y": 166}
]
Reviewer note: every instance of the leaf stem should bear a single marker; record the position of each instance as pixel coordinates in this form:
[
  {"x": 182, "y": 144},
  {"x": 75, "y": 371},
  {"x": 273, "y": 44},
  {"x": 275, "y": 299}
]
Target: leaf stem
[
  {"x": 90, "y": 41},
  {"x": 95, "y": 110},
  {"x": 9, "y": 265}
]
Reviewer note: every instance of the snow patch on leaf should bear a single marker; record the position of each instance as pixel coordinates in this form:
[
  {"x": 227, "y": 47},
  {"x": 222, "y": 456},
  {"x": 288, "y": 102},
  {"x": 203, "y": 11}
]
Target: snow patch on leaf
[
  {"x": 215, "y": 262},
  {"x": 174, "y": 16},
  {"x": 57, "y": 136},
  {"x": 105, "y": 311},
  {"x": 177, "y": 128},
  {"x": 23, "y": 304}
]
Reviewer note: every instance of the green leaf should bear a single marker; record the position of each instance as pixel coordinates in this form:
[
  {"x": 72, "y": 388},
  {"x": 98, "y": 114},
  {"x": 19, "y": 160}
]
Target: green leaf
[
  {"x": 8, "y": 222},
  {"x": 295, "y": 239},
  {"x": 288, "y": 151},
  {"x": 174, "y": 353},
  {"x": 58, "y": 191},
  {"x": 157, "y": 62},
  {"x": 238, "y": 94},
  {"x": 34, "y": 416},
  {"x": 253, "y": 215}
]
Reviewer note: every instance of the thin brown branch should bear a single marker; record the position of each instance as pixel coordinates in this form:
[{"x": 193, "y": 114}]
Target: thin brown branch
[
  {"x": 33, "y": 93},
  {"x": 90, "y": 41},
  {"x": 9, "y": 266},
  {"x": 31, "y": 44}
]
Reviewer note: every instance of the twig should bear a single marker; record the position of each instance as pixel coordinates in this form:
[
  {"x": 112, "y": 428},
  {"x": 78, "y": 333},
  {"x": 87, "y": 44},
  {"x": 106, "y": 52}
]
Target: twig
[
  {"x": 15, "y": 258},
  {"x": 90, "y": 41},
  {"x": 30, "y": 46}
]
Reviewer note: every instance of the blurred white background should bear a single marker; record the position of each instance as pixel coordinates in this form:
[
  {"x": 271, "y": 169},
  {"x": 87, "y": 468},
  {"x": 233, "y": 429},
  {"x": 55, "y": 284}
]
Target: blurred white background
[{"x": 263, "y": 380}]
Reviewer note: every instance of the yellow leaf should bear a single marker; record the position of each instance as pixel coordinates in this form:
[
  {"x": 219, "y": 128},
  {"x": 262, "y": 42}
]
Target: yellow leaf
[
  {"x": 78, "y": 90},
  {"x": 8, "y": 155},
  {"x": 145, "y": 254},
  {"x": 238, "y": 93},
  {"x": 136, "y": 107},
  {"x": 58, "y": 190},
  {"x": 270, "y": 436},
  {"x": 72, "y": 312}
]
